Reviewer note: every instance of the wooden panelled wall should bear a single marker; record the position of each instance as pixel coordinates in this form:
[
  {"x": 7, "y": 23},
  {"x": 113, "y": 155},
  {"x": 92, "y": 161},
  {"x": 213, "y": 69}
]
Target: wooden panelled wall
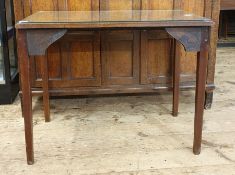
[{"x": 111, "y": 58}]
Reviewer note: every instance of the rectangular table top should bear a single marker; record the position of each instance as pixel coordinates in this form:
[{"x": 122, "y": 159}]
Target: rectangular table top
[{"x": 120, "y": 18}]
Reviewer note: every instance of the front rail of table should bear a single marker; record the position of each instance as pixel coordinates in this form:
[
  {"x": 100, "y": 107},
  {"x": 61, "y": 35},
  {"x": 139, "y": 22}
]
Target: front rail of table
[{"x": 35, "y": 37}]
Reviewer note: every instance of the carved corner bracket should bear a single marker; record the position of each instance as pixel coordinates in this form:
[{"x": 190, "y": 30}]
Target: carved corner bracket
[
  {"x": 38, "y": 40},
  {"x": 190, "y": 38}
]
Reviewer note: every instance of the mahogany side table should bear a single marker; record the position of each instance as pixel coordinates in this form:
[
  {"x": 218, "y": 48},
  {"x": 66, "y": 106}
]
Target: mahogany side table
[{"x": 38, "y": 31}]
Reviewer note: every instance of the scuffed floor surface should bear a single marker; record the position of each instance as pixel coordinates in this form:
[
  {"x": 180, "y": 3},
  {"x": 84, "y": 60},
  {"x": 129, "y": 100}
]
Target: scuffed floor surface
[{"x": 126, "y": 135}]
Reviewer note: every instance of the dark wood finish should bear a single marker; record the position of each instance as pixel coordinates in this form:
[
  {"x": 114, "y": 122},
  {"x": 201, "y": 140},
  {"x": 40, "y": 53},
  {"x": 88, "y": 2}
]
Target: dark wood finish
[
  {"x": 41, "y": 40},
  {"x": 191, "y": 41},
  {"x": 65, "y": 68},
  {"x": 161, "y": 73},
  {"x": 202, "y": 59},
  {"x": 182, "y": 32},
  {"x": 45, "y": 87},
  {"x": 206, "y": 8},
  {"x": 93, "y": 54},
  {"x": 155, "y": 64},
  {"x": 83, "y": 60},
  {"x": 88, "y": 80},
  {"x": 156, "y": 88},
  {"x": 105, "y": 25},
  {"x": 176, "y": 81},
  {"x": 26, "y": 94},
  {"x": 190, "y": 38},
  {"x": 74, "y": 61},
  {"x": 120, "y": 57}
]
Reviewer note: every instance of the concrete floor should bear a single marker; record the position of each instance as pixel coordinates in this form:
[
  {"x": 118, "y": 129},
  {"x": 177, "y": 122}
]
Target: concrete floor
[{"x": 125, "y": 135}]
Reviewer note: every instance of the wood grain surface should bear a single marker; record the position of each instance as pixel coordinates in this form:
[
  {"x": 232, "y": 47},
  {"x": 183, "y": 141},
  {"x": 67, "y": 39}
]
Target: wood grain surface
[{"x": 159, "y": 63}]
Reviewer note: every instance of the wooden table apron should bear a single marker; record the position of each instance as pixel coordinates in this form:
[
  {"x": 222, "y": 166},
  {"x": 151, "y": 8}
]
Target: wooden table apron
[{"x": 34, "y": 42}]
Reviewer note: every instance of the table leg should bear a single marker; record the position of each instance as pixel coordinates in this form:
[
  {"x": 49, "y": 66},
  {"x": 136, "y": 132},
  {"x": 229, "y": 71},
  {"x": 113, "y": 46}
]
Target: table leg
[
  {"x": 26, "y": 94},
  {"x": 46, "y": 97},
  {"x": 202, "y": 59},
  {"x": 176, "y": 81}
]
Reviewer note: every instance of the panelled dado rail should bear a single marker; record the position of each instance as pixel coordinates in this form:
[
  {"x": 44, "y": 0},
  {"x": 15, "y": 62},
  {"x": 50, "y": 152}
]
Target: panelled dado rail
[{"x": 37, "y": 32}]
